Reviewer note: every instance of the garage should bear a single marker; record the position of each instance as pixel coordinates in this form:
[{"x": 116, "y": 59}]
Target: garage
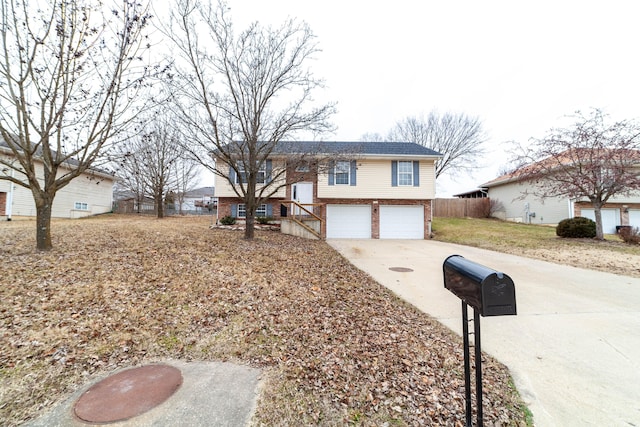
[
  {"x": 401, "y": 222},
  {"x": 634, "y": 217},
  {"x": 348, "y": 221},
  {"x": 610, "y": 218}
]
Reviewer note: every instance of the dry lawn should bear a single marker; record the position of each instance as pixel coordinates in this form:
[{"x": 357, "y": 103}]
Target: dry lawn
[
  {"x": 540, "y": 242},
  {"x": 336, "y": 347}
]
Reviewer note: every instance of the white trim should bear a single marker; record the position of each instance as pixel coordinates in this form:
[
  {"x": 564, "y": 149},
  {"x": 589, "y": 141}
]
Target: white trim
[
  {"x": 348, "y": 172},
  {"x": 410, "y": 173}
]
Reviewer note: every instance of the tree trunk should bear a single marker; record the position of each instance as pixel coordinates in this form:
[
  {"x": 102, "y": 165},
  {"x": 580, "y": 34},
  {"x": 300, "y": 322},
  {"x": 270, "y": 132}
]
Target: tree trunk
[
  {"x": 43, "y": 222},
  {"x": 597, "y": 210},
  {"x": 249, "y": 223},
  {"x": 159, "y": 205}
]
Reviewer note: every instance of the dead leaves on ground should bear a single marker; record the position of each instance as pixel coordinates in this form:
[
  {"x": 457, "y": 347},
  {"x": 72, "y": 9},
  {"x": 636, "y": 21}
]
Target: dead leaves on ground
[{"x": 337, "y": 348}]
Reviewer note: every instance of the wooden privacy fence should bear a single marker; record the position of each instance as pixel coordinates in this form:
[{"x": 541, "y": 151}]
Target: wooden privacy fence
[{"x": 462, "y": 208}]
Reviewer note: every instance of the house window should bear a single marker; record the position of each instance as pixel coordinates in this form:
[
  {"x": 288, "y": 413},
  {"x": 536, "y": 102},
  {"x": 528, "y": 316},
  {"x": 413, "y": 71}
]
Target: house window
[
  {"x": 303, "y": 167},
  {"x": 80, "y": 206},
  {"x": 405, "y": 173},
  {"x": 242, "y": 211},
  {"x": 242, "y": 174},
  {"x": 342, "y": 172}
]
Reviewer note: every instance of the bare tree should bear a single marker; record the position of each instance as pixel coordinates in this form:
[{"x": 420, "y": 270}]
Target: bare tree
[
  {"x": 243, "y": 95},
  {"x": 594, "y": 159},
  {"x": 68, "y": 78},
  {"x": 373, "y": 137},
  {"x": 458, "y": 137},
  {"x": 149, "y": 161},
  {"x": 130, "y": 178},
  {"x": 186, "y": 176}
]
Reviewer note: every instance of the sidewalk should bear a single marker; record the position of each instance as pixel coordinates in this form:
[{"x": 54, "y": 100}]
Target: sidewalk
[
  {"x": 212, "y": 394},
  {"x": 574, "y": 347}
]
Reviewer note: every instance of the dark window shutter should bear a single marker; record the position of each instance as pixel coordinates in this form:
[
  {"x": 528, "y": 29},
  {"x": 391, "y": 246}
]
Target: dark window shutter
[
  {"x": 269, "y": 168},
  {"x": 353, "y": 170},
  {"x": 416, "y": 174},
  {"x": 394, "y": 173},
  {"x": 234, "y": 211},
  {"x": 232, "y": 175},
  {"x": 332, "y": 166},
  {"x": 269, "y": 209}
]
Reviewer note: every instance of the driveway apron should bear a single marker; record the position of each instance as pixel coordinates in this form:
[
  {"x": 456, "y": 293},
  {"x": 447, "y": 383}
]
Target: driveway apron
[{"x": 574, "y": 347}]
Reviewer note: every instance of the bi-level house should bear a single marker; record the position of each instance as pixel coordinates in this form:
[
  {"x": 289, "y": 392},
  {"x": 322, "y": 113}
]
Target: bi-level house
[{"x": 364, "y": 190}]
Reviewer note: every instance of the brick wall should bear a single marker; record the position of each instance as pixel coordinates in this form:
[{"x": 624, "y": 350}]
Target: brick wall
[{"x": 224, "y": 209}]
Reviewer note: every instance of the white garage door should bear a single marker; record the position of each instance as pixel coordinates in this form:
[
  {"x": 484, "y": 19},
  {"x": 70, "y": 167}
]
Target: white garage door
[
  {"x": 348, "y": 222},
  {"x": 401, "y": 222},
  {"x": 610, "y": 218},
  {"x": 634, "y": 217}
]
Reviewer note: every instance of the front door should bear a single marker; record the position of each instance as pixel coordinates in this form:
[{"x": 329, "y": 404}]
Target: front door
[{"x": 302, "y": 192}]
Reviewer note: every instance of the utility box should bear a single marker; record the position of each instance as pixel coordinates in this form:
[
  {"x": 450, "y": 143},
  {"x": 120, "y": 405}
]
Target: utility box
[{"x": 490, "y": 292}]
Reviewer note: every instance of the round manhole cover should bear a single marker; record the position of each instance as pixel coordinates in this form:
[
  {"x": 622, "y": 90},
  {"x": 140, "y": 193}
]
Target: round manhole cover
[
  {"x": 401, "y": 269},
  {"x": 128, "y": 393}
]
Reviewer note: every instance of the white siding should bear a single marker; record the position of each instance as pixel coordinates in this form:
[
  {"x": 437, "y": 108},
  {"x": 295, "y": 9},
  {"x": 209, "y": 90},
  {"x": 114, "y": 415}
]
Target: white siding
[
  {"x": 95, "y": 192},
  {"x": 373, "y": 181},
  {"x": 551, "y": 210},
  {"x": 632, "y": 198}
]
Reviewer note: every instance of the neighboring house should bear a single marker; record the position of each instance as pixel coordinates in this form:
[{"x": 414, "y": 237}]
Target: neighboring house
[
  {"x": 507, "y": 192},
  {"x": 126, "y": 202},
  {"x": 88, "y": 194},
  {"x": 196, "y": 200},
  {"x": 379, "y": 190},
  {"x": 516, "y": 206},
  {"x": 478, "y": 193}
]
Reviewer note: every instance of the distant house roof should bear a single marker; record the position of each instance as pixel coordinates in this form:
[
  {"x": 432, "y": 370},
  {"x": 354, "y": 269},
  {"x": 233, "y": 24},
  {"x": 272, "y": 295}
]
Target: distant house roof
[
  {"x": 504, "y": 179},
  {"x": 478, "y": 193},
  {"x": 361, "y": 148}
]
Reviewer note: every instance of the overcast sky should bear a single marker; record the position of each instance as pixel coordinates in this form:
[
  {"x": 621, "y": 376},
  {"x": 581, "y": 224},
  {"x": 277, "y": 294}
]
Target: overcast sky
[{"x": 519, "y": 66}]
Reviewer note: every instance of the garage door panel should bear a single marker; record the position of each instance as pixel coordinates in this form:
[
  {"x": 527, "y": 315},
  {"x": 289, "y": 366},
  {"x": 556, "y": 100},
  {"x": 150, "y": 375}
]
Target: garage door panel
[
  {"x": 610, "y": 218},
  {"x": 634, "y": 217},
  {"x": 402, "y": 222},
  {"x": 348, "y": 222}
]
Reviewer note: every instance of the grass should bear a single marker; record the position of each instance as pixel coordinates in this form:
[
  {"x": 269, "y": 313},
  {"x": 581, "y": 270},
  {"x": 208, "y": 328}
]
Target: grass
[
  {"x": 336, "y": 348},
  {"x": 540, "y": 242}
]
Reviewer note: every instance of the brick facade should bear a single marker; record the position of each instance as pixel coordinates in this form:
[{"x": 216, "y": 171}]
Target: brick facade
[{"x": 224, "y": 209}]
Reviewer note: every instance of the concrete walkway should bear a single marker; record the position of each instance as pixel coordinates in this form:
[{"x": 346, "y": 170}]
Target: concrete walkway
[
  {"x": 212, "y": 394},
  {"x": 574, "y": 347}
]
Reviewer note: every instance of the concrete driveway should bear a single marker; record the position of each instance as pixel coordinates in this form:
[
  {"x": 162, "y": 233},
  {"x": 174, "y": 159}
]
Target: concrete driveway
[{"x": 574, "y": 347}]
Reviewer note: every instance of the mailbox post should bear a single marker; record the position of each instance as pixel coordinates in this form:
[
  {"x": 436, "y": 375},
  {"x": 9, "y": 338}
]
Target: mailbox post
[{"x": 489, "y": 293}]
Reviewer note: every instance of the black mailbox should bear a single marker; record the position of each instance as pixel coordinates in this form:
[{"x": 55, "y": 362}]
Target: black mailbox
[{"x": 488, "y": 291}]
